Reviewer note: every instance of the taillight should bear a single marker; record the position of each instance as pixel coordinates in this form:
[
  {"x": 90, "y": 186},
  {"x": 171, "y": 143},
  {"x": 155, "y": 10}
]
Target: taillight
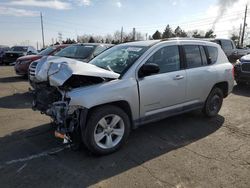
[{"x": 233, "y": 72}]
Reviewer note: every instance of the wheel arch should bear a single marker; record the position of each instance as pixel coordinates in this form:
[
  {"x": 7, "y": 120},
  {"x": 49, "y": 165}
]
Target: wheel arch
[
  {"x": 124, "y": 105},
  {"x": 223, "y": 86}
]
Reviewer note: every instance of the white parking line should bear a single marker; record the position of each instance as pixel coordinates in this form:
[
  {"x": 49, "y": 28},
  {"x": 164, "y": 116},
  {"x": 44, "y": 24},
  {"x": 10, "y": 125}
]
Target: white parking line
[{"x": 39, "y": 155}]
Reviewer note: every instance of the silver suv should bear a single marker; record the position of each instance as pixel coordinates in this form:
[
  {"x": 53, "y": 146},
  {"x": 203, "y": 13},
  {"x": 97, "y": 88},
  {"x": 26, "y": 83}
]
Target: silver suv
[{"x": 129, "y": 85}]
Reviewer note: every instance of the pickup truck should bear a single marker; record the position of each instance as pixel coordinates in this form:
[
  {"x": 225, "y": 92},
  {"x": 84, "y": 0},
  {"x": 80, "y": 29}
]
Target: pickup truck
[{"x": 230, "y": 49}]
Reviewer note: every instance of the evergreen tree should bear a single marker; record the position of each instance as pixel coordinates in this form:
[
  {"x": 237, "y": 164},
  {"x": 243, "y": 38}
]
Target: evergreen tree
[
  {"x": 210, "y": 34},
  {"x": 91, "y": 40},
  {"x": 168, "y": 33},
  {"x": 156, "y": 35},
  {"x": 197, "y": 35}
]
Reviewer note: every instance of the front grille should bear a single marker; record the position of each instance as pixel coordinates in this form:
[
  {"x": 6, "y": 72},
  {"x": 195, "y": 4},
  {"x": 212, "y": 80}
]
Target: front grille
[
  {"x": 13, "y": 55},
  {"x": 32, "y": 70},
  {"x": 245, "y": 67}
]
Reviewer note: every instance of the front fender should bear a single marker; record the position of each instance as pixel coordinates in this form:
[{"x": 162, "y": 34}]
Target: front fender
[{"x": 113, "y": 91}]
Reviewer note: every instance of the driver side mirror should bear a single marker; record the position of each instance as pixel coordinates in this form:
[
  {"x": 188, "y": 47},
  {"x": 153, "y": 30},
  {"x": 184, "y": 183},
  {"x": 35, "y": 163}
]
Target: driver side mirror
[{"x": 148, "y": 69}]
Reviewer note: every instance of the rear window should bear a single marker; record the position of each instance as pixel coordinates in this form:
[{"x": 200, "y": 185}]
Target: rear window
[
  {"x": 47, "y": 51},
  {"x": 77, "y": 51},
  {"x": 212, "y": 53},
  {"x": 226, "y": 45}
]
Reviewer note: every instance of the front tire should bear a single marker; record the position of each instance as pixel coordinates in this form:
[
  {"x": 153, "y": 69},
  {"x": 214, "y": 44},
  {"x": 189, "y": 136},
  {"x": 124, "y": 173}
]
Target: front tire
[
  {"x": 213, "y": 103},
  {"x": 107, "y": 129}
]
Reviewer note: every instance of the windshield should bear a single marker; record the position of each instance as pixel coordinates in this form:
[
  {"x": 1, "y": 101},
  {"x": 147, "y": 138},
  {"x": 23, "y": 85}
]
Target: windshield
[
  {"x": 77, "y": 51},
  {"x": 47, "y": 51},
  {"x": 19, "y": 49},
  {"x": 119, "y": 58}
]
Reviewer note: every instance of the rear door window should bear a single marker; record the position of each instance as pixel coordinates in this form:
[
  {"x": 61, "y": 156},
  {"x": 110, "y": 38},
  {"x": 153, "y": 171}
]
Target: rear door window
[
  {"x": 193, "y": 56},
  {"x": 212, "y": 54}
]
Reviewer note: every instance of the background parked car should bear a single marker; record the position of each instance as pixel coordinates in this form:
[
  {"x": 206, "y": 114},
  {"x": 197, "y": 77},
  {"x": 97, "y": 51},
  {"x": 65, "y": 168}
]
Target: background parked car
[
  {"x": 242, "y": 70},
  {"x": 23, "y": 63},
  {"x": 3, "y": 49},
  {"x": 16, "y": 52},
  {"x": 83, "y": 52},
  {"x": 230, "y": 49}
]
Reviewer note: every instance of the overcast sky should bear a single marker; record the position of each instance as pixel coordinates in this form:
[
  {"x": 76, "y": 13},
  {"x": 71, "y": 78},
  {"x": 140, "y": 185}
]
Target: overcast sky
[{"x": 20, "y": 21}]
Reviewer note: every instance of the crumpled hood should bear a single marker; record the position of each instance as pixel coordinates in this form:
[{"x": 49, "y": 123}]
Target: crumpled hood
[{"x": 57, "y": 70}]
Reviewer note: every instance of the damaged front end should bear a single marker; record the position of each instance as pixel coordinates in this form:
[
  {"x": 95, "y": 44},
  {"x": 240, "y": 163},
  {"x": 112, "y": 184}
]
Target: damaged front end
[
  {"x": 52, "y": 82},
  {"x": 68, "y": 121}
]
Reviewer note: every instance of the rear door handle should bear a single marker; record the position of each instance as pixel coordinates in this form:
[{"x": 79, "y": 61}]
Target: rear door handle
[{"x": 178, "y": 77}]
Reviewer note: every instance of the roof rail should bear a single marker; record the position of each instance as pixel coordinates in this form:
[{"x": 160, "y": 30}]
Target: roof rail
[{"x": 187, "y": 38}]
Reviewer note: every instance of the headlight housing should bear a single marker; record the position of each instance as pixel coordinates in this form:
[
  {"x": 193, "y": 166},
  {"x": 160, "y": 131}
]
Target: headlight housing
[
  {"x": 237, "y": 62},
  {"x": 54, "y": 68}
]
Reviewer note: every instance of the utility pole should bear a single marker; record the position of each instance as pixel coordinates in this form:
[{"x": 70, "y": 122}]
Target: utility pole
[
  {"x": 240, "y": 35},
  {"x": 122, "y": 34},
  {"x": 134, "y": 34},
  {"x": 42, "y": 28},
  {"x": 60, "y": 37},
  {"x": 244, "y": 26}
]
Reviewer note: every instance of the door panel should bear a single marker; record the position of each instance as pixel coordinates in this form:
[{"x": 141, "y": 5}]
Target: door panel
[
  {"x": 199, "y": 82},
  {"x": 200, "y": 76},
  {"x": 162, "y": 90}
]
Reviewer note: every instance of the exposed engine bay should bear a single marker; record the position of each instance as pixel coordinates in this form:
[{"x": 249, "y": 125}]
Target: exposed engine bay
[{"x": 51, "y": 82}]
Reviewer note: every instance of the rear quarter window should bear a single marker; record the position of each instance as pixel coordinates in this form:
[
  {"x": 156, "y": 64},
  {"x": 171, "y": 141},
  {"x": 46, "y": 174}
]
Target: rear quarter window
[{"x": 212, "y": 53}]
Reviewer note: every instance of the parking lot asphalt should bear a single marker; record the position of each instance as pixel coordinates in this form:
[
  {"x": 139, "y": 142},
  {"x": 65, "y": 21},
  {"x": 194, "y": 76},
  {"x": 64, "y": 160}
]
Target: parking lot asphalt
[{"x": 182, "y": 151}]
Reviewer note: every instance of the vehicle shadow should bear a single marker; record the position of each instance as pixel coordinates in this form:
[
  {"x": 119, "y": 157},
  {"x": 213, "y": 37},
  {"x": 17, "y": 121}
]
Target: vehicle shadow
[
  {"x": 17, "y": 101},
  {"x": 13, "y": 79},
  {"x": 242, "y": 90},
  {"x": 81, "y": 169}
]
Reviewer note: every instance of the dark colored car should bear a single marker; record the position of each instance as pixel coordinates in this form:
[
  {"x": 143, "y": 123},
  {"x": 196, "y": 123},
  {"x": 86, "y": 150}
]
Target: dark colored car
[
  {"x": 23, "y": 63},
  {"x": 230, "y": 49},
  {"x": 242, "y": 70},
  {"x": 16, "y": 52},
  {"x": 3, "y": 49},
  {"x": 83, "y": 52}
]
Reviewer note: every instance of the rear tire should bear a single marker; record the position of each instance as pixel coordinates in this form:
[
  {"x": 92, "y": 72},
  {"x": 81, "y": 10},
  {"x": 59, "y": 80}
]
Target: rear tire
[
  {"x": 213, "y": 103},
  {"x": 107, "y": 129}
]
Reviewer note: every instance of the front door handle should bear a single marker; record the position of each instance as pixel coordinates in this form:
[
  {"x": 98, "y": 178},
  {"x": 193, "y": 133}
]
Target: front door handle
[{"x": 178, "y": 77}]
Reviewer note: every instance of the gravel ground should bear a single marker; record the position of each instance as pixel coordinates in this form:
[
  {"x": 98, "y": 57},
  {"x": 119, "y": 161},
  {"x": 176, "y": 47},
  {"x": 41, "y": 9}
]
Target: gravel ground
[{"x": 183, "y": 151}]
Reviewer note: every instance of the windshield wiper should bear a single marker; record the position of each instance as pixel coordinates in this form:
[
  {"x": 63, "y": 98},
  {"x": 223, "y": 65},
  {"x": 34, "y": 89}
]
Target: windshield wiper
[{"x": 109, "y": 68}]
